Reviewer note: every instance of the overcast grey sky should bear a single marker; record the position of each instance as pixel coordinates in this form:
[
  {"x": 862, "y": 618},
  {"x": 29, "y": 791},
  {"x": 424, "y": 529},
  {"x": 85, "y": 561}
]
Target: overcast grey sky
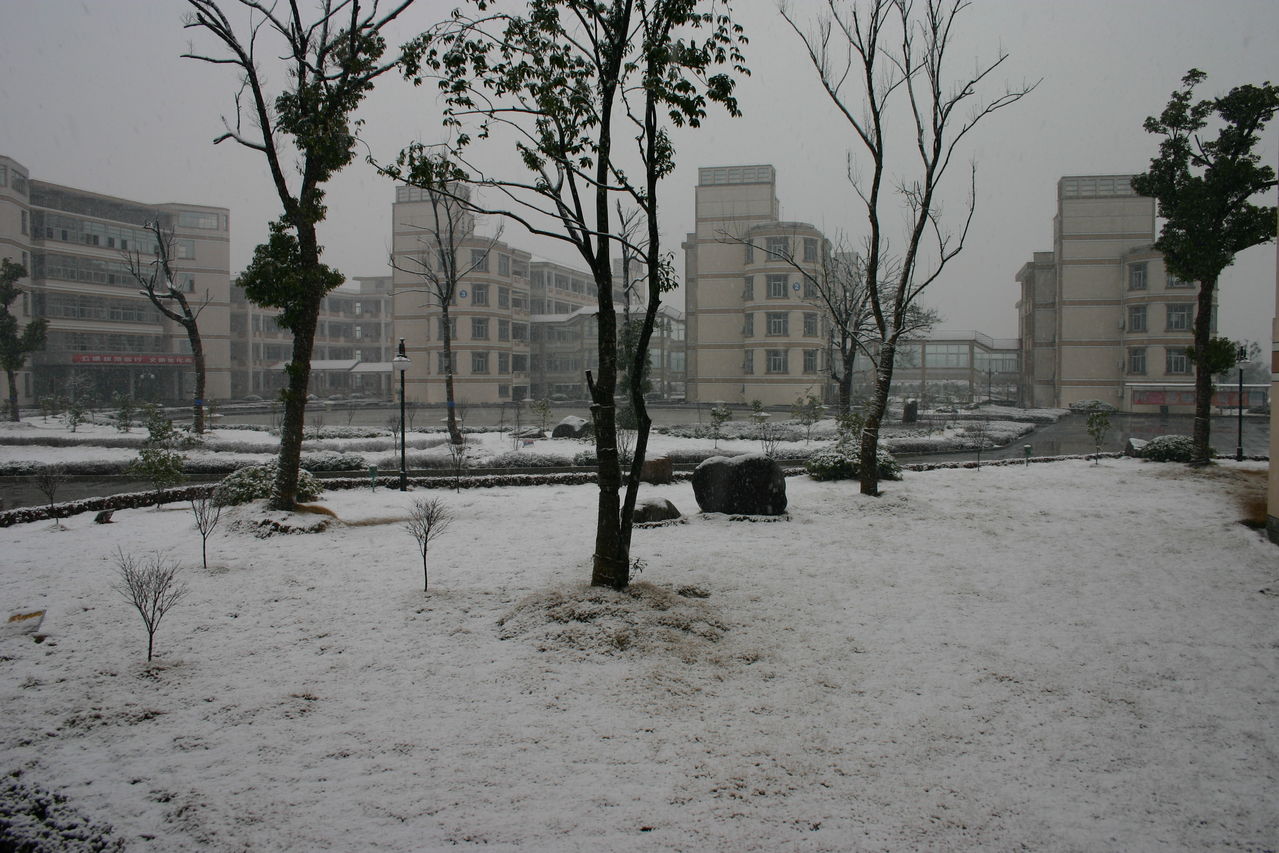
[{"x": 96, "y": 96}]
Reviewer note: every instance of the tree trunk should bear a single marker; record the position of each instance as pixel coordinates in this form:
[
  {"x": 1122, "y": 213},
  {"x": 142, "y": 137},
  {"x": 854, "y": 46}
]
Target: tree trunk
[
  {"x": 844, "y": 405},
  {"x": 284, "y": 494},
  {"x": 13, "y": 394},
  {"x": 455, "y": 433},
  {"x": 611, "y": 565},
  {"x": 197, "y": 356},
  {"x": 1203, "y": 378},
  {"x": 874, "y": 417}
]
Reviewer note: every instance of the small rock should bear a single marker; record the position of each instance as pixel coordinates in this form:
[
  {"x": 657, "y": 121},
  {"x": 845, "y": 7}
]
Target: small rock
[{"x": 649, "y": 510}]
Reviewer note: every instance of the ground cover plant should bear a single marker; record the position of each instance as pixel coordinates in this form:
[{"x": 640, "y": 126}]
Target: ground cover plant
[{"x": 971, "y": 661}]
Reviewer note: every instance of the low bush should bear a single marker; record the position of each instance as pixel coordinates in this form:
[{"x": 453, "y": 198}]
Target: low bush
[
  {"x": 842, "y": 462},
  {"x": 525, "y": 459},
  {"x": 1169, "y": 448},
  {"x": 331, "y": 460},
  {"x": 255, "y": 483}
]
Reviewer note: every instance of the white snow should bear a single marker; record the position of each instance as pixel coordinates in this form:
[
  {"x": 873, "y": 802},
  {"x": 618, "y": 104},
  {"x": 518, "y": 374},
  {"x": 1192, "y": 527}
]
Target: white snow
[{"x": 1063, "y": 656}]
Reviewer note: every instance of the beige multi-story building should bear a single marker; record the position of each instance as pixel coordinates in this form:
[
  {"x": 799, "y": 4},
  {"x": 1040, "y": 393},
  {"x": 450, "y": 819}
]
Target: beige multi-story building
[
  {"x": 565, "y": 346},
  {"x": 755, "y": 330},
  {"x": 1100, "y": 317},
  {"x": 102, "y": 330},
  {"x": 520, "y": 327},
  {"x": 350, "y": 356},
  {"x": 489, "y": 315}
]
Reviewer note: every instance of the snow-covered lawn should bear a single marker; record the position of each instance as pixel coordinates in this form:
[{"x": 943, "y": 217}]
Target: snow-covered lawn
[{"x": 1059, "y": 657}]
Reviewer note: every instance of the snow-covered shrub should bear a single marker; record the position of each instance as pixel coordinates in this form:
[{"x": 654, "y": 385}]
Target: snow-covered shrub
[
  {"x": 1092, "y": 406},
  {"x": 255, "y": 483},
  {"x": 331, "y": 460},
  {"x": 525, "y": 459},
  {"x": 1169, "y": 448},
  {"x": 842, "y": 462}
]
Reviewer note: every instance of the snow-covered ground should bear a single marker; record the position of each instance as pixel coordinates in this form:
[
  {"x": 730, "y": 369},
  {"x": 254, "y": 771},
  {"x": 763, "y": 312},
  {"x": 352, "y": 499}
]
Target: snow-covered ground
[{"x": 1057, "y": 657}]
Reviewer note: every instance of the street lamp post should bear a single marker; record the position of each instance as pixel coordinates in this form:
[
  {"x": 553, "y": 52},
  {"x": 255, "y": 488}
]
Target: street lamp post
[
  {"x": 402, "y": 362},
  {"x": 1241, "y": 356}
]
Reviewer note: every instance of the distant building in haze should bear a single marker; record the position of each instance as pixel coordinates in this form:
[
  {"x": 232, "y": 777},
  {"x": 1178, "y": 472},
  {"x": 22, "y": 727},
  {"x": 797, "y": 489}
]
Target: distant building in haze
[
  {"x": 102, "y": 330},
  {"x": 1100, "y": 318}
]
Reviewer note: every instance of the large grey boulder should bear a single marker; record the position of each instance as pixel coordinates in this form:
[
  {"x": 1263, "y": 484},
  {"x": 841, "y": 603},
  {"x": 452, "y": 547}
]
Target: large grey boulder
[
  {"x": 571, "y": 427},
  {"x": 751, "y": 484}
]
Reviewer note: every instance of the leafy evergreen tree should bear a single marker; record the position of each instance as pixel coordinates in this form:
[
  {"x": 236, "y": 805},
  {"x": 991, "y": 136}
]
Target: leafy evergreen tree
[
  {"x": 16, "y": 343},
  {"x": 1205, "y": 188}
]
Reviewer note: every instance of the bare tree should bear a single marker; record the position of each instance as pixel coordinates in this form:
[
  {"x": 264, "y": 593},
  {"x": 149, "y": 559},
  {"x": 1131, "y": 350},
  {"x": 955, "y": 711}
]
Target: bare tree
[
  {"x": 48, "y": 480},
  {"x": 560, "y": 78},
  {"x": 170, "y": 299},
  {"x": 869, "y": 56},
  {"x": 428, "y": 518},
  {"x": 151, "y": 585},
  {"x": 207, "y": 510},
  {"x": 437, "y": 263},
  {"x": 330, "y": 62}
]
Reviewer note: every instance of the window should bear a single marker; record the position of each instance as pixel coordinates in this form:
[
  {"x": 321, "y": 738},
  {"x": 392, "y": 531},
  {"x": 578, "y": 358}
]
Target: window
[
  {"x": 777, "y": 361},
  {"x": 778, "y": 323},
  {"x": 1177, "y": 361},
  {"x": 439, "y": 325},
  {"x": 479, "y": 328},
  {"x": 26, "y": 222},
  {"x": 810, "y": 361},
  {"x": 1137, "y": 360},
  {"x": 504, "y": 363},
  {"x": 503, "y": 264},
  {"x": 479, "y": 362},
  {"x": 519, "y": 363},
  {"x": 480, "y": 294},
  {"x": 1137, "y": 276},
  {"x": 750, "y": 252},
  {"x": 1174, "y": 282},
  {"x": 359, "y": 333},
  {"x": 748, "y": 326},
  {"x": 1136, "y": 318},
  {"x": 946, "y": 355},
  {"x": 777, "y": 287},
  {"x": 190, "y": 219},
  {"x": 1181, "y": 316},
  {"x": 810, "y": 325},
  {"x": 810, "y": 288},
  {"x": 810, "y": 249},
  {"x": 503, "y": 296},
  {"x": 748, "y": 362},
  {"x": 503, "y": 330},
  {"x": 519, "y": 331},
  {"x": 748, "y": 289},
  {"x": 442, "y": 363},
  {"x": 480, "y": 260},
  {"x": 185, "y": 249},
  {"x": 778, "y": 247}
]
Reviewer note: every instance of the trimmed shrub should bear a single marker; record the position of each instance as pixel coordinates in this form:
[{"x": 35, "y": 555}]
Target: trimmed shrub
[
  {"x": 524, "y": 459},
  {"x": 330, "y": 460},
  {"x": 255, "y": 482},
  {"x": 841, "y": 462},
  {"x": 1169, "y": 448}
]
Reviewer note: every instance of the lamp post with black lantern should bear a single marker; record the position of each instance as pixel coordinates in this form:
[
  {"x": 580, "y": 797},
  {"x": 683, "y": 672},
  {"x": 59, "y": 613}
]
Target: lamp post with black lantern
[{"x": 402, "y": 362}]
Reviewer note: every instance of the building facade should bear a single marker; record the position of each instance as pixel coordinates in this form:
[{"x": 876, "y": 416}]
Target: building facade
[
  {"x": 350, "y": 356},
  {"x": 755, "y": 328},
  {"x": 1100, "y": 318},
  {"x": 520, "y": 327},
  {"x": 489, "y": 315},
  {"x": 105, "y": 337}
]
